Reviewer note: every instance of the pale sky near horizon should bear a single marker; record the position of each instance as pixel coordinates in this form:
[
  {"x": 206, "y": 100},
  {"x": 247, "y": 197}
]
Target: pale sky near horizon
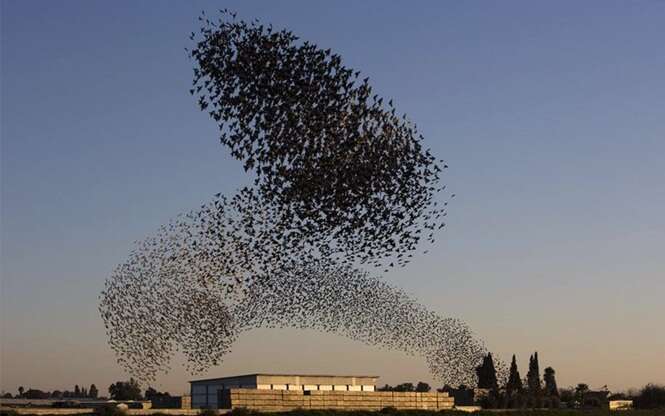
[{"x": 551, "y": 116}]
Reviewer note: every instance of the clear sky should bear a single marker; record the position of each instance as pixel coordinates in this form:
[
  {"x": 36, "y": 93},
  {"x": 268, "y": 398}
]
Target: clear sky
[{"x": 551, "y": 116}]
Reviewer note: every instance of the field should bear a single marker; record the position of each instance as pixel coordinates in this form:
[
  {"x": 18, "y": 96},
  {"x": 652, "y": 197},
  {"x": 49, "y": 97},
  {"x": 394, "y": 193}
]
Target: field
[
  {"x": 243, "y": 412},
  {"x": 660, "y": 412}
]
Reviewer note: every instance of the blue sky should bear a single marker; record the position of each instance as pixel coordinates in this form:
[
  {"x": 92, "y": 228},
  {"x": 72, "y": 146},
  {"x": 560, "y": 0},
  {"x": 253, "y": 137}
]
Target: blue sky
[{"x": 550, "y": 115}]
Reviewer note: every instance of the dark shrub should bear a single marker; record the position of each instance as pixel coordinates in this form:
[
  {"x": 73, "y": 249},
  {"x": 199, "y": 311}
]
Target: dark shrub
[
  {"x": 491, "y": 400},
  {"x": 109, "y": 410},
  {"x": 243, "y": 411},
  {"x": 210, "y": 412},
  {"x": 567, "y": 395},
  {"x": 651, "y": 396}
]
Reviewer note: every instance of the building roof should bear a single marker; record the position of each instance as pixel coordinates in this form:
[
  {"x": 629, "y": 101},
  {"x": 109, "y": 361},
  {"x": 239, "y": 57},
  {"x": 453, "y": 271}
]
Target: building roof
[{"x": 282, "y": 375}]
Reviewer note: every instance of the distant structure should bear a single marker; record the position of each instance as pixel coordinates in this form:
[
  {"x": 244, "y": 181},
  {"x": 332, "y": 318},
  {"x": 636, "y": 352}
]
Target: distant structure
[
  {"x": 621, "y": 404},
  {"x": 170, "y": 402},
  {"x": 205, "y": 393},
  {"x": 284, "y": 392}
]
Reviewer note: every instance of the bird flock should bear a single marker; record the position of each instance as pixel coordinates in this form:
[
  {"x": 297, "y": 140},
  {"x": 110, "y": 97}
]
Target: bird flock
[{"x": 341, "y": 184}]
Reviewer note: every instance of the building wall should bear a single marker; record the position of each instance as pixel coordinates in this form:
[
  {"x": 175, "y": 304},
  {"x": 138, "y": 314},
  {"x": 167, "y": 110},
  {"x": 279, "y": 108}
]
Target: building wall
[
  {"x": 167, "y": 402},
  {"x": 186, "y": 402},
  {"x": 300, "y": 380},
  {"x": 283, "y": 400},
  {"x": 205, "y": 393}
]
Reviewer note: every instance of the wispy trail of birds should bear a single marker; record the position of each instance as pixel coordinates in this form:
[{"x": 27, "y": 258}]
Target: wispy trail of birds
[{"x": 340, "y": 181}]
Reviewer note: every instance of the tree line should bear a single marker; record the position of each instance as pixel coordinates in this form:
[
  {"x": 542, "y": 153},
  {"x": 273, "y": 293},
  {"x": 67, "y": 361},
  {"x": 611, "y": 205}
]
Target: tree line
[
  {"x": 131, "y": 390},
  {"x": 532, "y": 391},
  {"x": 78, "y": 393},
  {"x": 421, "y": 387},
  {"x": 120, "y": 390},
  {"x": 515, "y": 392}
]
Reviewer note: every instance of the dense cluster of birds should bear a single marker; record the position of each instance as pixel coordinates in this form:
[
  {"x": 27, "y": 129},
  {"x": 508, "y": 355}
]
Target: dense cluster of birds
[
  {"x": 340, "y": 181},
  {"x": 344, "y": 174}
]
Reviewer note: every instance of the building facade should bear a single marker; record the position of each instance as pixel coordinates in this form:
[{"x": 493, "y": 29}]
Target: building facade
[
  {"x": 212, "y": 393},
  {"x": 344, "y": 400}
]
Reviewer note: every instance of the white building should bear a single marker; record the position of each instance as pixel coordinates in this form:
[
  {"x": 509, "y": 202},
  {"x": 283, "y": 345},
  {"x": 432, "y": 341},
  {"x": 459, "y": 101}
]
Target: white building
[{"x": 207, "y": 392}]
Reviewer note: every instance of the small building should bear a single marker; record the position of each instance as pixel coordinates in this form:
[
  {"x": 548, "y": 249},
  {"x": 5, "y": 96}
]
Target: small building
[
  {"x": 209, "y": 393},
  {"x": 164, "y": 401},
  {"x": 621, "y": 404}
]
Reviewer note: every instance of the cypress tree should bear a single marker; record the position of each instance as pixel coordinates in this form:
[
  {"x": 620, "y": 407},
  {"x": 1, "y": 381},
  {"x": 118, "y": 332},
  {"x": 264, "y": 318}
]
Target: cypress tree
[
  {"x": 487, "y": 373},
  {"x": 514, "y": 381},
  {"x": 533, "y": 376},
  {"x": 550, "y": 383},
  {"x": 93, "y": 392}
]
